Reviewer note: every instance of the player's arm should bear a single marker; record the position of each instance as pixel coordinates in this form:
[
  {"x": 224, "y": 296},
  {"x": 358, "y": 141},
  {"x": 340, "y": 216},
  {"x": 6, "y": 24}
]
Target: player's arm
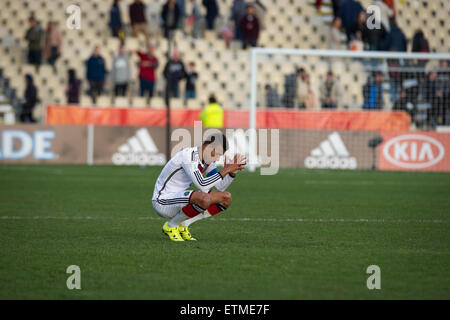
[
  {"x": 205, "y": 184},
  {"x": 228, "y": 179},
  {"x": 225, "y": 182}
]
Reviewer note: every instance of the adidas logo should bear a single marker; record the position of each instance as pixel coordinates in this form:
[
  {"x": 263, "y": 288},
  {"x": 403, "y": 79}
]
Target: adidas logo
[
  {"x": 331, "y": 154},
  {"x": 139, "y": 150}
]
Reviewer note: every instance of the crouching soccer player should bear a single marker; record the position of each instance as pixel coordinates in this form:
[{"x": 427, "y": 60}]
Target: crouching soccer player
[{"x": 194, "y": 166}]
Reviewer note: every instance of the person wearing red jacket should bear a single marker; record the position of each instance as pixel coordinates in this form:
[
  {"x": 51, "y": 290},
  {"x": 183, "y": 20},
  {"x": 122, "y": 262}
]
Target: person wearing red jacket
[
  {"x": 147, "y": 71},
  {"x": 249, "y": 27}
]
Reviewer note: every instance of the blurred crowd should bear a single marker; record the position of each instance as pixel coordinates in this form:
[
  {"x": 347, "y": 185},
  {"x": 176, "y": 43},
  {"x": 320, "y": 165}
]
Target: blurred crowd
[
  {"x": 422, "y": 92},
  {"x": 409, "y": 83},
  {"x": 245, "y": 21}
]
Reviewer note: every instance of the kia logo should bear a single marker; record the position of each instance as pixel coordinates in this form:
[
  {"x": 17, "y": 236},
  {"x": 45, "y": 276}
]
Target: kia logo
[{"x": 413, "y": 151}]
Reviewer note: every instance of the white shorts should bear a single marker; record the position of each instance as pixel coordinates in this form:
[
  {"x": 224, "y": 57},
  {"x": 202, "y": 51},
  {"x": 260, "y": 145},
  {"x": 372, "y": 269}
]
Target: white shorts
[{"x": 168, "y": 205}]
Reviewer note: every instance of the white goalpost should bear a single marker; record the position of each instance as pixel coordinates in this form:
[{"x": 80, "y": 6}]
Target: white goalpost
[{"x": 401, "y": 72}]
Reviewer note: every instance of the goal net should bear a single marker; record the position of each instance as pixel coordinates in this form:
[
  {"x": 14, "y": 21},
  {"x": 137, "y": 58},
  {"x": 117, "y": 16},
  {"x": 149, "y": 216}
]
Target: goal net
[{"x": 347, "y": 101}]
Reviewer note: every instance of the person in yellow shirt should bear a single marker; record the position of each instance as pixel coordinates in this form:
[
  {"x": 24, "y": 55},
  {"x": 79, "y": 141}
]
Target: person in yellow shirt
[{"x": 212, "y": 115}]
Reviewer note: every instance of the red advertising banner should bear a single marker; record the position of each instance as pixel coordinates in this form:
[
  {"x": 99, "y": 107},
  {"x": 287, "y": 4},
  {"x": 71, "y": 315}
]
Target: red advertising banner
[
  {"x": 423, "y": 151},
  {"x": 281, "y": 119}
]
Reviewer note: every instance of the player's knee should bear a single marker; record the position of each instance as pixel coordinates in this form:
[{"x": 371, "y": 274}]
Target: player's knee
[
  {"x": 203, "y": 200},
  {"x": 227, "y": 199}
]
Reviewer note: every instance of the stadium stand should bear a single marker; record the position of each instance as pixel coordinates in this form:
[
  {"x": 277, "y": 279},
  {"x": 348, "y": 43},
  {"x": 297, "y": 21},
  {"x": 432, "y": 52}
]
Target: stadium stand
[{"x": 300, "y": 26}]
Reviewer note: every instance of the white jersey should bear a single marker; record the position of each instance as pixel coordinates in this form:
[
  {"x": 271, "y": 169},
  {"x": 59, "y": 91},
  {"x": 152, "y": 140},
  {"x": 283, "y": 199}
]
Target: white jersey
[{"x": 186, "y": 169}]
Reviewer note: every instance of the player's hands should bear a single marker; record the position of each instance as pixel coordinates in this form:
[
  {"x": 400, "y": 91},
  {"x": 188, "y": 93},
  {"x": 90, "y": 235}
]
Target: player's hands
[{"x": 238, "y": 162}]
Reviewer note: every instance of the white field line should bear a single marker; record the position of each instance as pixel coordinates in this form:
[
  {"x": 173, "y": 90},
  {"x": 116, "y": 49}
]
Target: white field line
[
  {"x": 278, "y": 220},
  {"x": 367, "y": 182}
]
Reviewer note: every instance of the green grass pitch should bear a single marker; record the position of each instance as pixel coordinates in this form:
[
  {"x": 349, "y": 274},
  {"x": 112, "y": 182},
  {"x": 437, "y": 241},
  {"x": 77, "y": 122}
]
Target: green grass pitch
[{"x": 297, "y": 235}]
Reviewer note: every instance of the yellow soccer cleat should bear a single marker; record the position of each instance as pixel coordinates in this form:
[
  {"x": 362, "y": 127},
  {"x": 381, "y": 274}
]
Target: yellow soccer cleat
[
  {"x": 185, "y": 234},
  {"x": 172, "y": 232}
]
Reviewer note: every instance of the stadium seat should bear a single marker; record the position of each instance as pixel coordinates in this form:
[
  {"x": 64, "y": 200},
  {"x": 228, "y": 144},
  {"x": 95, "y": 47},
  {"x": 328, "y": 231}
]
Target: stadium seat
[
  {"x": 121, "y": 102},
  {"x": 104, "y": 101}
]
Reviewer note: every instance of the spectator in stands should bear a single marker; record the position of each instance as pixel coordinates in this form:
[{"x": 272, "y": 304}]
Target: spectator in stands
[
  {"x": 249, "y": 26},
  {"x": 30, "y": 100},
  {"x": 336, "y": 5},
  {"x": 191, "y": 78},
  {"x": 410, "y": 80},
  {"x": 394, "y": 66},
  {"x": 373, "y": 92},
  {"x": 444, "y": 71},
  {"x": 433, "y": 94},
  {"x": 227, "y": 33},
  {"x": 357, "y": 44},
  {"x": 115, "y": 21},
  {"x": 120, "y": 73},
  {"x": 196, "y": 17},
  {"x": 290, "y": 90},
  {"x": 212, "y": 11},
  {"x": 348, "y": 12},
  {"x": 420, "y": 44},
  {"x": 147, "y": 72},
  {"x": 52, "y": 44},
  {"x": 95, "y": 74},
  {"x": 260, "y": 12},
  {"x": 73, "y": 88},
  {"x": 170, "y": 16},
  {"x": 402, "y": 104},
  {"x": 291, "y": 87},
  {"x": 182, "y": 10},
  {"x": 34, "y": 36},
  {"x": 375, "y": 38},
  {"x": 444, "y": 83},
  {"x": 396, "y": 40},
  {"x": 174, "y": 72},
  {"x": 272, "y": 98},
  {"x": 330, "y": 92},
  {"x": 334, "y": 41},
  {"x": 138, "y": 20},
  {"x": 303, "y": 89},
  {"x": 358, "y": 29},
  {"x": 238, "y": 11},
  {"x": 212, "y": 116},
  {"x": 310, "y": 100}
]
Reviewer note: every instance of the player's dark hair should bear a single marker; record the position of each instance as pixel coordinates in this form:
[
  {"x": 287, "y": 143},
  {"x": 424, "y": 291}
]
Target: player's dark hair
[{"x": 217, "y": 138}]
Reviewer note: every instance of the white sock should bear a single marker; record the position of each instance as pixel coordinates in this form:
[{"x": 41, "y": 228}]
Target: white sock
[
  {"x": 177, "y": 219},
  {"x": 188, "y": 222}
]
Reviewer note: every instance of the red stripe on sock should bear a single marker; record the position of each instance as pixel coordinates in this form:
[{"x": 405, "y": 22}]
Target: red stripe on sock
[
  {"x": 189, "y": 211},
  {"x": 213, "y": 209}
]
